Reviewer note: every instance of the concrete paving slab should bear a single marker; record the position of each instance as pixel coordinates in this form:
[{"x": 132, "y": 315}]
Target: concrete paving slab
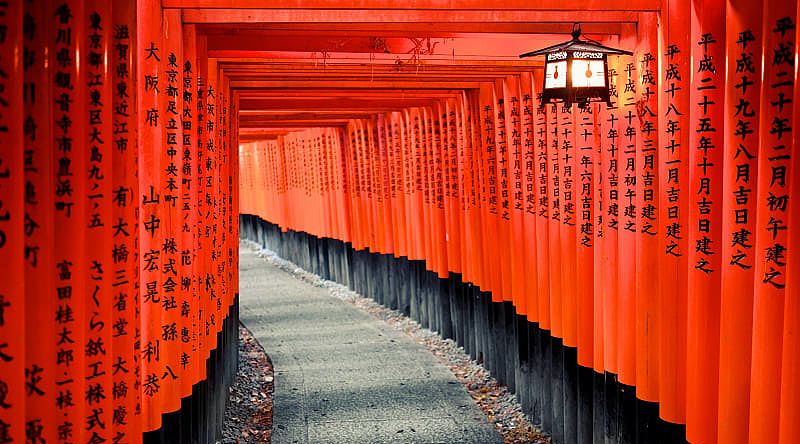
[
  {"x": 342, "y": 376},
  {"x": 420, "y": 431}
]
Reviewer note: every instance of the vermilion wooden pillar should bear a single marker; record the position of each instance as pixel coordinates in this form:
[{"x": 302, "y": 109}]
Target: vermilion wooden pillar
[
  {"x": 99, "y": 221},
  {"x": 170, "y": 184},
  {"x": 515, "y": 192},
  {"x": 530, "y": 205},
  {"x": 772, "y": 217},
  {"x": 39, "y": 229},
  {"x": 707, "y": 101},
  {"x": 233, "y": 197},
  {"x": 439, "y": 204},
  {"x": 543, "y": 186},
  {"x": 503, "y": 199},
  {"x": 492, "y": 268},
  {"x": 204, "y": 205},
  {"x": 789, "y": 429},
  {"x": 610, "y": 126},
  {"x": 191, "y": 361},
  {"x": 70, "y": 188},
  {"x": 742, "y": 107},
  {"x": 524, "y": 194},
  {"x": 584, "y": 182},
  {"x": 12, "y": 217},
  {"x": 428, "y": 189},
  {"x": 629, "y": 210},
  {"x": 211, "y": 178},
  {"x": 648, "y": 278},
  {"x": 673, "y": 207},
  {"x": 567, "y": 153},
  {"x": 479, "y": 203},
  {"x": 150, "y": 85},
  {"x": 554, "y": 239},
  {"x": 453, "y": 191},
  {"x": 126, "y": 315},
  {"x": 474, "y": 245}
]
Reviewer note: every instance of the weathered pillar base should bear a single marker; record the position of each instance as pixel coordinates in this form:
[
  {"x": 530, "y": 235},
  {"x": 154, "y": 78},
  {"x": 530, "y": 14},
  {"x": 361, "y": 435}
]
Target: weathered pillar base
[
  {"x": 200, "y": 417},
  {"x": 574, "y": 404}
]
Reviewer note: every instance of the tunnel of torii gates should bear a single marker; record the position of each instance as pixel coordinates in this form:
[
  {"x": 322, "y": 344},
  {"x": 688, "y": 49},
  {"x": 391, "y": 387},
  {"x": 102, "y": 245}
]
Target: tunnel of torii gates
[{"x": 628, "y": 270}]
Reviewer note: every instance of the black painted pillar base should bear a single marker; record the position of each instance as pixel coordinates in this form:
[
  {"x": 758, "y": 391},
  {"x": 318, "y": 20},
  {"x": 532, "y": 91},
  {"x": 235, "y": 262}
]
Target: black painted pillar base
[
  {"x": 573, "y": 404},
  {"x": 200, "y": 417}
]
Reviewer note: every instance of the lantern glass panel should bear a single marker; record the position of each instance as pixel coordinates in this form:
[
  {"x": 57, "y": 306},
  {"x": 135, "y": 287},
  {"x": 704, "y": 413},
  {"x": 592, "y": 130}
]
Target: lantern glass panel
[
  {"x": 556, "y": 75},
  {"x": 588, "y": 73}
]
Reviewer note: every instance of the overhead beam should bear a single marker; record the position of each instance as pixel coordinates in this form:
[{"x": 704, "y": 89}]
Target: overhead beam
[
  {"x": 325, "y": 103},
  {"x": 256, "y": 131},
  {"x": 245, "y": 138},
  {"x": 312, "y": 123},
  {"x": 355, "y": 16},
  {"x": 363, "y": 93},
  {"x": 261, "y": 133},
  {"x": 462, "y": 77},
  {"x": 486, "y": 46},
  {"x": 269, "y": 113},
  {"x": 440, "y": 5},
  {"x": 350, "y": 84},
  {"x": 279, "y": 63},
  {"x": 361, "y": 58},
  {"x": 305, "y": 115},
  {"x": 427, "y": 29},
  {"x": 235, "y": 68}
]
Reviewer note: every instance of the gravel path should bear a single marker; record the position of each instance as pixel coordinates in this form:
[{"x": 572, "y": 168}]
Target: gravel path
[
  {"x": 248, "y": 415},
  {"x": 350, "y": 370}
]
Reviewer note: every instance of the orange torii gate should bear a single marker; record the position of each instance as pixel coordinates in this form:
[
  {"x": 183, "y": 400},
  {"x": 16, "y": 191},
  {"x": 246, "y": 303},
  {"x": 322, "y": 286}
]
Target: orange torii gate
[
  {"x": 119, "y": 240},
  {"x": 639, "y": 187},
  {"x": 628, "y": 270}
]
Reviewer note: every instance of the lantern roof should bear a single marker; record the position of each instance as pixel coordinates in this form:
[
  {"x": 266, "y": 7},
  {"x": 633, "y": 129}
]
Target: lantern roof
[{"x": 577, "y": 44}]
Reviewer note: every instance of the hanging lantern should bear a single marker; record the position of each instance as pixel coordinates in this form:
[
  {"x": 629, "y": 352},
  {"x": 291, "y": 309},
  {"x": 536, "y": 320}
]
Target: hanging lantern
[{"x": 576, "y": 71}]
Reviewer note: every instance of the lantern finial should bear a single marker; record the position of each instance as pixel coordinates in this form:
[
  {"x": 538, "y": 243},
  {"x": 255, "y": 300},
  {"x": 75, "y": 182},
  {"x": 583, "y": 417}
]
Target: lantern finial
[{"x": 576, "y": 31}]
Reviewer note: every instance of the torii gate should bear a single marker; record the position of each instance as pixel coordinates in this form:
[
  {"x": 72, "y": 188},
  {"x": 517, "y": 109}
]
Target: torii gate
[{"x": 645, "y": 251}]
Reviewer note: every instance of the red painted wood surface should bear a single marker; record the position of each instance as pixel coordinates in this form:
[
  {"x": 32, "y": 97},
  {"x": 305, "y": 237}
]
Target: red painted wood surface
[
  {"x": 12, "y": 223},
  {"x": 673, "y": 208},
  {"x": 39, "y": 230},
  {"x": 742, "y": 108},
  {"x": 584, "y": 183},
  {"x": 772, "y": 217},
  {"x": 71, "y": 216},
  {"x": 789, "y": 430},
  {"x": 99, "y": 222},
  {"x": 610, "y": 126},
  {"x": 656, "y": 235},
  {"x": 643, "y": 218}
]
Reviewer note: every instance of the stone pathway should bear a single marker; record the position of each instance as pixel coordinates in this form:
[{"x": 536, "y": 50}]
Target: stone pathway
[{"x": 342, "y": 376}]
